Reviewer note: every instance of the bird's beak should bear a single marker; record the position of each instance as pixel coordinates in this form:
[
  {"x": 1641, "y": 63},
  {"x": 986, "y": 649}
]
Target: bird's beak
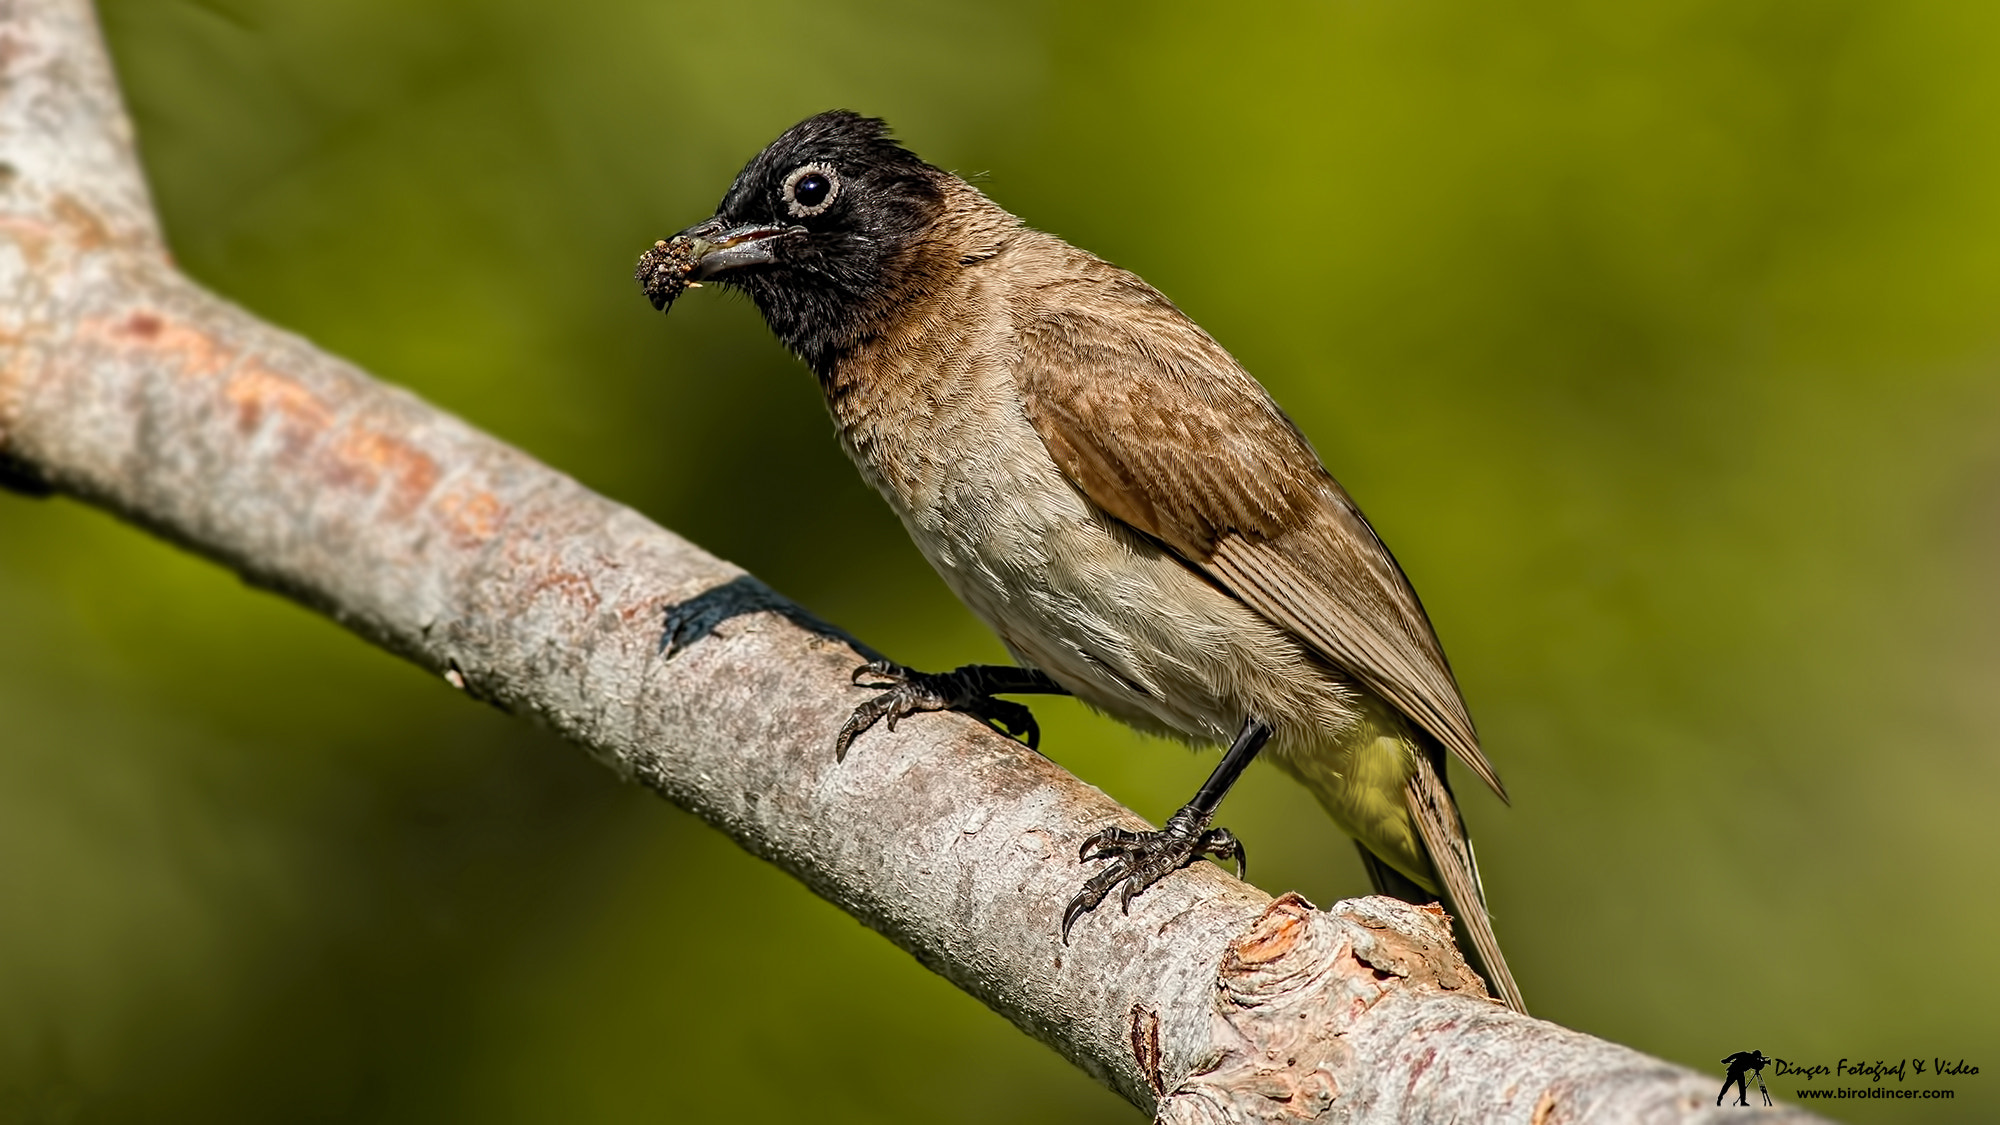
[
  {"x": 700, "y": 252},
  {"x": 715, "y": 247}
]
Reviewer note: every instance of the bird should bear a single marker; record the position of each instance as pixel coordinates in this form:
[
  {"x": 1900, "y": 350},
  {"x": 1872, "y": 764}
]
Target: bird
[{"x": 1109, "y": 491}]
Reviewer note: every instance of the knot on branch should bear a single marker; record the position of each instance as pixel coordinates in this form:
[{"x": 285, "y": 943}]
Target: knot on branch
[{"x": 1290, "y": 992}]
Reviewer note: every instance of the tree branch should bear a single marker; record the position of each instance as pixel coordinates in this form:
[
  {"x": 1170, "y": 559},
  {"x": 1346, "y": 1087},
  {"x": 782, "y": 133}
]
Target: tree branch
[{"x": 127, "y": 385}]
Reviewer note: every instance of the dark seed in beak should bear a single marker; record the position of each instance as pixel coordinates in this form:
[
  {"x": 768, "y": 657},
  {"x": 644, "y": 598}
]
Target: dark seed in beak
[{"x": 663, "y": 271}]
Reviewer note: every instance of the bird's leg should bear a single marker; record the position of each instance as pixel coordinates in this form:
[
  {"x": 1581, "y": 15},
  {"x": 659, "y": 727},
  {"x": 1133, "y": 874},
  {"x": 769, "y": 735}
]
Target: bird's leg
[
  {"x": 1140, "y": 859},
  {"x": 969, "y": 689}
]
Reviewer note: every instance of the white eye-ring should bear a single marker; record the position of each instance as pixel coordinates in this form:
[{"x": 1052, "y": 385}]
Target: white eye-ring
[{"x": 811, "y": 189}]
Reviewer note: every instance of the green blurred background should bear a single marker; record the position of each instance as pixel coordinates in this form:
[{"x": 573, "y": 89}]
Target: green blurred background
[{"x": 1660, "y": 340}]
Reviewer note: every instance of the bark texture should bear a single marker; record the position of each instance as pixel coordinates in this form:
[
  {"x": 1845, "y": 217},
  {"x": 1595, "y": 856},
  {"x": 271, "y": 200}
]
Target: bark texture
[{"x": 125, "y": 384}]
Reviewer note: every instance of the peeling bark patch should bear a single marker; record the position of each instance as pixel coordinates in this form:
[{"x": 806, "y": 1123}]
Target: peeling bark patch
[
  {"x": 1299, "y": 993},
  {"x": 1282, "y": 954},
  {"x": 1373, "y": 970},
  {"x": 1275, "y": 934},
  {"x": 1372, "y": 981},
  {"x": 1547, "y": 1111},
  {"x": 1146, "y": 1047},
  {"x": 1405, "y": 945}
]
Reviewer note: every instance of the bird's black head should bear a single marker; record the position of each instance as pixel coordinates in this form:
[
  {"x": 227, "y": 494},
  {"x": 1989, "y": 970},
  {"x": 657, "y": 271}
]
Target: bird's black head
[{"x": 819, "y": 229}]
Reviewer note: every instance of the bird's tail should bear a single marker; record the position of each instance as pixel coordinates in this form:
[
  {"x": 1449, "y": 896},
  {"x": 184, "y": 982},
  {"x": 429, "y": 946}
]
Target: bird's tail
[
  {"x": 1383, "y": 782},
  {"x": 1450, "y": 849}
]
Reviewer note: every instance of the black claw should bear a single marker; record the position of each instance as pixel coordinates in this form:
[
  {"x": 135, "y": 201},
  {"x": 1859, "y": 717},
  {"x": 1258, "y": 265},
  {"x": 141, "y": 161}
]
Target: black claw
[
  {"x": 855, "y": 725},
  {"x": 1221, "y": 843},
  {"x": 1088, "y": 898},
  {"x": 1076, "y": 909},
  {"x": 1140, "y": 859},
  {"x": 914, "y": 693},
  {"x": 881, "y": 669},
  {"x": 1013, "y": 718}
]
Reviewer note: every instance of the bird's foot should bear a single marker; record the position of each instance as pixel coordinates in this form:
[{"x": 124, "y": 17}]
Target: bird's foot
[
  {"x": 1140, "y": 859},
  {"x": 968, "y": 689}
]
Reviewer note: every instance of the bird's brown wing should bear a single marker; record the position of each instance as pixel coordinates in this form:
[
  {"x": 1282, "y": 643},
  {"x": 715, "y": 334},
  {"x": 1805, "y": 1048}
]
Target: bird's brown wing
[{"x": 1159, "y": 427}]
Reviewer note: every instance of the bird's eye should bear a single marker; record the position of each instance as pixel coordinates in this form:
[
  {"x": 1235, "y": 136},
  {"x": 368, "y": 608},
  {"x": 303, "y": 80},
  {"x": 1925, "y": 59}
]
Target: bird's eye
[{"x": 811, "y": 189}]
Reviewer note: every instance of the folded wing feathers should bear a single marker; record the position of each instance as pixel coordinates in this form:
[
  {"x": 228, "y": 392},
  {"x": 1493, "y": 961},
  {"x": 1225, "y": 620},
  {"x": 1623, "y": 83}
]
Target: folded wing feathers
[
  {"x": 1401, "y": 669},
  {"x": 1157, "y": 425}
]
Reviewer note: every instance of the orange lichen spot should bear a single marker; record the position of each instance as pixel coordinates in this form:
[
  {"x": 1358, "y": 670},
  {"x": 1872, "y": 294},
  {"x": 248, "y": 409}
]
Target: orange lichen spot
[
  {"x": 570, "y": 586},
  {"x": 191, "y": 350},
  {"x": 471, "y": 517},
  {"x": 259, "y": 393},
  {"x": 195, "y": 351},
  {"x": 649, "y": 609},
  {"x": 364, "y": 459}
]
